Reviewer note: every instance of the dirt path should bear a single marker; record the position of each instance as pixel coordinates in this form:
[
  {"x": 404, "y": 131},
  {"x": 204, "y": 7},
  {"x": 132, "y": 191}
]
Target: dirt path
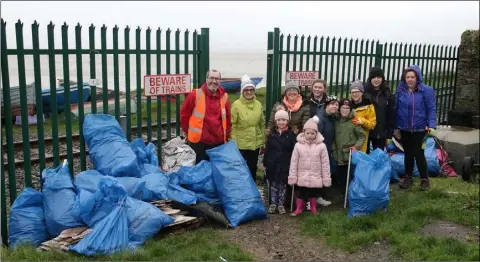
[{"x": 279, "y": 238}]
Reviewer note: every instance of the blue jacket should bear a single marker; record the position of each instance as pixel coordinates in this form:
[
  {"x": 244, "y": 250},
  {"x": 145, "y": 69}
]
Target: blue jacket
[
  {"x": 326, "y": 127},
  {"x": 416, "y": 110}
]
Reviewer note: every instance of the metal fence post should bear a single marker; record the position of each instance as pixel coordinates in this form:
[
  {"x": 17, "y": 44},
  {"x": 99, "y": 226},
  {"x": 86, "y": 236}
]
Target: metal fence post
[
  {"x": 204, "y": 56},
  {"x": 269, "y": 86},
  {"x": 378, "y": 55},
  {"x": 277, "y": 75}
]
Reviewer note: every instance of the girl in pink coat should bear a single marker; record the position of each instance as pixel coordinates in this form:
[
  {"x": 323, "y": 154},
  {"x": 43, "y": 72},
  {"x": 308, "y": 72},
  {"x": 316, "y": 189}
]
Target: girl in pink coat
[{"x": 309, "y": 167}]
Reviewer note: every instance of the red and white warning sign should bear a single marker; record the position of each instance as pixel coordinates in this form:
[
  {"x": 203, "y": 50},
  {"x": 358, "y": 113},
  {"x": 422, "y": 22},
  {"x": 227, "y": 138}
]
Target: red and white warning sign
[
  {"x": 161, "y": 85},
  {"x": 303, "y": 78}
]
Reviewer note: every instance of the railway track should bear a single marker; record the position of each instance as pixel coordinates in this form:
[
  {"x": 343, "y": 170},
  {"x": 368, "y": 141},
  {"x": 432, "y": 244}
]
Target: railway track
[{"x": 48, "y": 142}]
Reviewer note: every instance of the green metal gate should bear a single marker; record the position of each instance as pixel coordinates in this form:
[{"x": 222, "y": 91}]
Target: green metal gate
[
  {"x": 340, "y": 61},
  {"x": 168, "y": 60}
]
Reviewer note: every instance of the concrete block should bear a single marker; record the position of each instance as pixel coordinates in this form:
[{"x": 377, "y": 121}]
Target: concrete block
[{"x": 459, "y": 142}]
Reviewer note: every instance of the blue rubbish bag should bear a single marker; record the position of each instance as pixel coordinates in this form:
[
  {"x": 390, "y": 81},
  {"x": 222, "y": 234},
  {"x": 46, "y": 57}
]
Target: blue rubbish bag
[
  {"x": 109, "y": 150},
  {"x": 144, "y": 221},
  {"x": 26, "y": 222},
  {"x": 398, "y": 166},
  {"x": 391, "y": 147},
  {"x": 145, "y": 154},
  {"x": 369, "y": 190},
  {"x": 90, "y": 179},
  {"x": 58, "y": 200},
  {"x": 156, "y": 185},
  {"x": 152, "y": 186},
  {"x": 198, "y": 179},
  {"x": 433, "y": 164},
  {"x": 107, "y": 210},
  {"x": 236, "y": 189},
  {"x": 182, "y": 195}
]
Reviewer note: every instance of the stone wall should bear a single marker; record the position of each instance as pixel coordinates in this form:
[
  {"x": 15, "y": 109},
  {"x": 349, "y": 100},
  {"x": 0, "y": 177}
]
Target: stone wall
[{"x": 468, "y": 84}]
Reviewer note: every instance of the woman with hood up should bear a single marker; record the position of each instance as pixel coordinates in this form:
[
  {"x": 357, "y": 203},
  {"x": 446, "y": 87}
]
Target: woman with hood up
[
  {"x": 381, "y": 96},
  {"x": 247, "y": 125},
  {"x": 416, "y": 117},
  {"x": 297, "y": 106}
]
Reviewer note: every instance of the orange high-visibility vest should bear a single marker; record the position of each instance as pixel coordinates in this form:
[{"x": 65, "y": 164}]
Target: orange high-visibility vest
[{"x": 195, "y": 124}]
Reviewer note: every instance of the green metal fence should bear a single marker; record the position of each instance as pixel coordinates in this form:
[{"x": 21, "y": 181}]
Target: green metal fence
[
  {"x": 340, "y": 61},
  {"x": 193, "y": 53}
]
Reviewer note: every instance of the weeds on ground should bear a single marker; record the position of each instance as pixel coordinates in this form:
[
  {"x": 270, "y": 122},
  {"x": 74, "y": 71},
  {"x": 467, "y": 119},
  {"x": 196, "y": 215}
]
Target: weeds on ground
[
  {"x": 199, "y": 245},
  {"x": 448, "y": 199}
]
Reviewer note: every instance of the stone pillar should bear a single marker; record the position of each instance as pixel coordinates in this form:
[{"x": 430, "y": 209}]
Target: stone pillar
[{"x": 468, "y": 84}]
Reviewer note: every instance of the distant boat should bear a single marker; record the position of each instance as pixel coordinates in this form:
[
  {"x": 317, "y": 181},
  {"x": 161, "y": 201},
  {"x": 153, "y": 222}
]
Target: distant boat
[
  {"x": 233, "y": 84},
  {"x": 60, "y": 94},
  {"x": 15, "y": 101}
]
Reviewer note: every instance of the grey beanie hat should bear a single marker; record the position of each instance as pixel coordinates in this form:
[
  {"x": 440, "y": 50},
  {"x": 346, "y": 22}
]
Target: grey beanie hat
[
  {"x": 291, "y": 84},
  {"x": 357, "y": 84}
]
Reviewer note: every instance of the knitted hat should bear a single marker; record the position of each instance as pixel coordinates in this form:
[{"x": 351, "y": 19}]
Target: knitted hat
[
  {"x": 291, "y": 84},
  {"x": 347, "y": 102},
  {"x": 330, "y": 99},
  {"x": 246, "y": 82},
  {"x": 376, "y": 72},
  {"x": 357, "y": 84},
  {"x": 281, "y": 114},
  {"x": 312, "y": 123}
]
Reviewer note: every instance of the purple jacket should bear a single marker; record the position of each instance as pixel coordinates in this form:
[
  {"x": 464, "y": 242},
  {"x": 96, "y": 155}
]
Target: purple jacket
[{"x": 416, "y": 110}]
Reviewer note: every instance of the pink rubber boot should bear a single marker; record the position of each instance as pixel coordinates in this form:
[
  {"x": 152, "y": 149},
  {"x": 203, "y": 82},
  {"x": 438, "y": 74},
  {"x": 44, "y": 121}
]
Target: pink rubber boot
[
  {"x": 300, "y": 203},
  {"x": 313, "y": 205}
]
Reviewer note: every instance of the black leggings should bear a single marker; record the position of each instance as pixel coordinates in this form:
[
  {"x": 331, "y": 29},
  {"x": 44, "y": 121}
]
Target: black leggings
[
  {"x": 305, "y": 193},
  {"x": 412, "y": 146},
  {"x": 200, "y": 151},
  {"x": 251, "y": 157}
]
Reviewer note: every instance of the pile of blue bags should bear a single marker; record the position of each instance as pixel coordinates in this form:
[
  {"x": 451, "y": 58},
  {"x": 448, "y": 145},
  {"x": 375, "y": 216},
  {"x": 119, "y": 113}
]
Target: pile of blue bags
[
  {"x": 397, "y": 157},
  {"x": 113, "y": 199}
]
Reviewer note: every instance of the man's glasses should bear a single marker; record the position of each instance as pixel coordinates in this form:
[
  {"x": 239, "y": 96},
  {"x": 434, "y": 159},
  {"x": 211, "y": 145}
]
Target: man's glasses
[{"x": 214, "y": 78}]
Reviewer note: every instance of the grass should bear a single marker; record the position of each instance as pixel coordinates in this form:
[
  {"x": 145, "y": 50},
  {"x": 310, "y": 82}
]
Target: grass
[
  {"x": 47, "y": 126},
  {"x": 408, "y": 211},
  {"x": 199, "y": 245}
]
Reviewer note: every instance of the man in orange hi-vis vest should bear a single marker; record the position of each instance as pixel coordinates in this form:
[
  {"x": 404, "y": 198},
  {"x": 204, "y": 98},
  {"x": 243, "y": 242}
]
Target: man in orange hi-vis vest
[{"x": 205, "y": 116}]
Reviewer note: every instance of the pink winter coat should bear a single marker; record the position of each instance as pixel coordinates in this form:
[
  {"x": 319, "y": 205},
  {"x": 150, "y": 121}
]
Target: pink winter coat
[{"x": 310, "y": 165}]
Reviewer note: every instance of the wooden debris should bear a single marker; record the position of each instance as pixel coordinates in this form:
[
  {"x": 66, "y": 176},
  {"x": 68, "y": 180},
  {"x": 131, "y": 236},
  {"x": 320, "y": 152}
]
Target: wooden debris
[
  {"x": 70, "y": 233},
  {"x": 181, "y": 220},
  {"x": 171, "y": 212},
  {"x": 68, "y": 237},
  {"x": 72, "y": 236}
]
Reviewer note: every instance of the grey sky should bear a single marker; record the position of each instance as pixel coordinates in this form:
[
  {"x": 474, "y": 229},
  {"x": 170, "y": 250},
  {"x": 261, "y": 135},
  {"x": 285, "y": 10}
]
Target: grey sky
[{"x": 244, "y": 25}]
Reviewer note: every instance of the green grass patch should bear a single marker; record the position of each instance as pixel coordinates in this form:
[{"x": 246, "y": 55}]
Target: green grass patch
[
  {"x": 47, "y": 126},
  {"x": 199, "y": 245},
  {"x": 448, "y": 199}
]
